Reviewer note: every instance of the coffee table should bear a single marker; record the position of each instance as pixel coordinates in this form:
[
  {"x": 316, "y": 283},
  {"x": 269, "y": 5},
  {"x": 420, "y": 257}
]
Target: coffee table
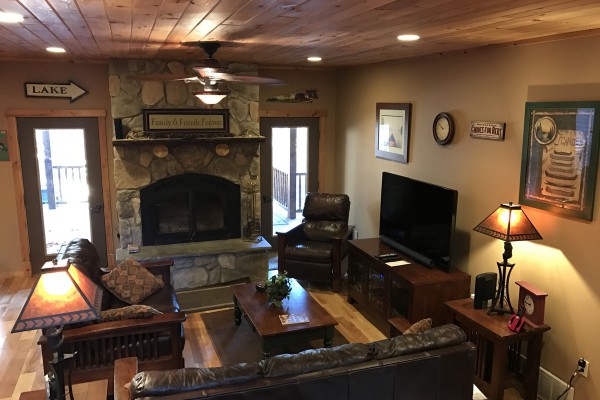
[{"x": 264, "y": 317}]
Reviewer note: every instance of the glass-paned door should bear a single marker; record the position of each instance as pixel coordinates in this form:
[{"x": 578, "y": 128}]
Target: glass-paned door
[
  {"x": 64, "y": 194},
  {"x": 62, "y": 185},
  {"x": 289, "y": 170}
]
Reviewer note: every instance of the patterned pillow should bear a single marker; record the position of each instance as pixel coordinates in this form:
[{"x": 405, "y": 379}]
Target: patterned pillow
[
  {"x": 129, "y": 312},
  {"x": 419, "y": 327},
  {"x": 131, "y": 282}
]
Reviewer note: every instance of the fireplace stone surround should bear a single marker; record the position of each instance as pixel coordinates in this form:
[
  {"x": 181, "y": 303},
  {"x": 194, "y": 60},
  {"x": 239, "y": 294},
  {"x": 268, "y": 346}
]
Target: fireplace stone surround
[
  {"x": 201, "y": 269},
  {"x": 198, "y": 265}
]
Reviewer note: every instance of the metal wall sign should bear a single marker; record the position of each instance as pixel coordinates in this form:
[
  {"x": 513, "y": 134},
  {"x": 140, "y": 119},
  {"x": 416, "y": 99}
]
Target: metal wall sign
[
  {"x": 487, "y": 130},
  {"x": 70, "y": 90}
]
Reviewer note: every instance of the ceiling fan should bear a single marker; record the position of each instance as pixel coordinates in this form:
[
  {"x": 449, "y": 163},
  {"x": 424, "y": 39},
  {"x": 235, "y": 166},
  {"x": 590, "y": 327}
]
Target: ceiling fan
[
  {"x": 210, "y": 72},
  {"x": 211, "y": 69}
]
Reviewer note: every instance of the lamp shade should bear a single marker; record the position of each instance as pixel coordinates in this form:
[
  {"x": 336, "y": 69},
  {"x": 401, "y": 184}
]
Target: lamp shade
[
  {"x": 509, "y": 223},
  {"x": 62, "y": 295}
]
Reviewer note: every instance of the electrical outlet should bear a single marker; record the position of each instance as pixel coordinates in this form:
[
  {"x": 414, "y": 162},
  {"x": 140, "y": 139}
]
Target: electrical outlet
[{"x": 583, "y": 366}]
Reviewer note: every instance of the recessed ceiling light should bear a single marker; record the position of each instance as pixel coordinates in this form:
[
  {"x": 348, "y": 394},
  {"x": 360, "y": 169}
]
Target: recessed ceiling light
[
  {"x": 314, "y": 59},
  {"x": 409, "y": 38},
  {"x": 9, "y": 17},
  {"x": 55, "y": 50}
]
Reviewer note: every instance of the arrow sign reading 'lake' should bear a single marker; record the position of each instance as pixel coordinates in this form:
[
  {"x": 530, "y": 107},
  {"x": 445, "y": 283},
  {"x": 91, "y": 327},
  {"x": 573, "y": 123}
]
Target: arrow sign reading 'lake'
[{"x": 69, "y": 91}]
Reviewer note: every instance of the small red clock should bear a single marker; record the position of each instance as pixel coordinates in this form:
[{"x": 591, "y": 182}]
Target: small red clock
[{"x": 533, "y": 301}]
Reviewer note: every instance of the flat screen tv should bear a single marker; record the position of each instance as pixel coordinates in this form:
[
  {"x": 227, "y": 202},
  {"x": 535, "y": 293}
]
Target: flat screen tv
[{"x": 418, "y": 220}]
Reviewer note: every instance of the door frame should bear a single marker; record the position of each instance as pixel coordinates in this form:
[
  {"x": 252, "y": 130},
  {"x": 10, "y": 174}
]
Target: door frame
[
  {"x": 322, "y": 115},
  {"x": 14, "y": 154}
]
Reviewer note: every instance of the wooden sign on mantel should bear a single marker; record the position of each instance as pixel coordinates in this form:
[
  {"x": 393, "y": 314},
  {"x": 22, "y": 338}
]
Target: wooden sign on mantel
[
  {"x": 194, "y": 121},
  {"x": 71, "y": 90}
]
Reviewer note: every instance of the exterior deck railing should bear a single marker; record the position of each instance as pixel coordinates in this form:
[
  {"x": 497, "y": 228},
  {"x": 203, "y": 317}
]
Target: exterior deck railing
[{"x": 290, "y": 198}]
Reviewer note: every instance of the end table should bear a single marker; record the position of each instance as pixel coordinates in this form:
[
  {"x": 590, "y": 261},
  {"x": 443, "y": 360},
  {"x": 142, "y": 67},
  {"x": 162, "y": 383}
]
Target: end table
[{"x": 499, "y": 362}]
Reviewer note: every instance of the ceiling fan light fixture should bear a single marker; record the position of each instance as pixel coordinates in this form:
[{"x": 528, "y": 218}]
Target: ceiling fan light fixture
[
  {"x": 211, "y": 96},
  {"x": 408, "y": 37}
]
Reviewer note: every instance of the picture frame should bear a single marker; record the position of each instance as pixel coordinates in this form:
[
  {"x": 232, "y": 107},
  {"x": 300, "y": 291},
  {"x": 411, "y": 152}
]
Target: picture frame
[
  {"x": 392, "y": 131},
  {"x": 560, "y": 157},
  {"x": 185, "y": 121}
]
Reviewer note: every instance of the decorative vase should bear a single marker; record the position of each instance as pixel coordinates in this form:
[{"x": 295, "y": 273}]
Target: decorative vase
[{"x": 278, "y": 288}]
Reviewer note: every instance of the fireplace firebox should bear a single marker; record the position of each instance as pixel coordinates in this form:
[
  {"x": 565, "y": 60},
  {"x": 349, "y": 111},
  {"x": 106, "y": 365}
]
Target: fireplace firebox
[{"x": 190, "y": 207}]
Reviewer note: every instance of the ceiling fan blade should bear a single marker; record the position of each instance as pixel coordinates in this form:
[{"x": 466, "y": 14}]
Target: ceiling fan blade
[
  {"x": 207, "y": 70},
  {"x": 167, "y": 77},
  {"x": 245, "y": 79},
  {"x": 213, "y": 70}
]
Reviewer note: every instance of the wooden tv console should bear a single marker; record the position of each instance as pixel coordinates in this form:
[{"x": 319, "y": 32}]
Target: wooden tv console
[{"x": 402, "y": 295}]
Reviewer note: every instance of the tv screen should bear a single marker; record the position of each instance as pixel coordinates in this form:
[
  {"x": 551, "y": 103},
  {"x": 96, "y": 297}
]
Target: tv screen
[{"x": 418, "y": 219}]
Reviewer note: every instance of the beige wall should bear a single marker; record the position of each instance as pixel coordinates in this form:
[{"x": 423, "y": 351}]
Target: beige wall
[
  {"x": 490, "y": 85},
  {"x": 13, "y": 75},
  {"x": 299, "y": 80}
]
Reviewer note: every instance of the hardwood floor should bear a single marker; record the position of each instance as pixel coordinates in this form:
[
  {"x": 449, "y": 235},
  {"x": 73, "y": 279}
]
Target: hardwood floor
[{"x": 21, "y": 358}]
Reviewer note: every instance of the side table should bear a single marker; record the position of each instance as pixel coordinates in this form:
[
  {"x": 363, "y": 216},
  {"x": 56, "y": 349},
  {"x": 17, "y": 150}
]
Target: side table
[
  {"x": 95, "y": 390},
  {"x": 499, "y": 362}
]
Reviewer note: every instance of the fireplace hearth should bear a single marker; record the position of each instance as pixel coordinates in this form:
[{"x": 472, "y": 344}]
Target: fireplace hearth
[{"x": 190, "y": 207}]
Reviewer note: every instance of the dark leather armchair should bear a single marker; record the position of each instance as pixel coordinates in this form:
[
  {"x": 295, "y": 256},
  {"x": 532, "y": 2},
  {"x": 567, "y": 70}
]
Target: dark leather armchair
[{"x": 314, "y": 250}]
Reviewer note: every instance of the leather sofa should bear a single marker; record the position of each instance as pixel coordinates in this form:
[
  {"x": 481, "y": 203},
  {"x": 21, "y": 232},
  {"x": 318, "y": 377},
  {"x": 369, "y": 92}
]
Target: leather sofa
[
  {"x": 315, "y": 249},
  {"x": 436, "y": 364},
  {"x": 156, "y": 341}
]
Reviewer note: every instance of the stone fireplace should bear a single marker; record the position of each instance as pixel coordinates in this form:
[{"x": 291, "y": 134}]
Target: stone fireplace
[{"x": 193, "y": 199}]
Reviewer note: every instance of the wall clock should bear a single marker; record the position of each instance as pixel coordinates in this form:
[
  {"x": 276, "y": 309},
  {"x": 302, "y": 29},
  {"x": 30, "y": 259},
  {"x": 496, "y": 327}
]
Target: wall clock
[
  {"x": 443, "y": 128},
  {"x": 533, "y": 301}
]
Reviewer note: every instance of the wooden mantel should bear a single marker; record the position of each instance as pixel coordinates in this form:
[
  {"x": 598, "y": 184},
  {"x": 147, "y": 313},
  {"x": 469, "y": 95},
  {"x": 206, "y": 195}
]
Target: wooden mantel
[{"x": 201, "y": 140}]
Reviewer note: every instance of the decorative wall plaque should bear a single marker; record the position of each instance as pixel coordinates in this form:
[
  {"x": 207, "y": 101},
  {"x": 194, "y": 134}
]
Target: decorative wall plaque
[
  {"x": 177, "y": 121},
  {"x": 487, "y": 130}
]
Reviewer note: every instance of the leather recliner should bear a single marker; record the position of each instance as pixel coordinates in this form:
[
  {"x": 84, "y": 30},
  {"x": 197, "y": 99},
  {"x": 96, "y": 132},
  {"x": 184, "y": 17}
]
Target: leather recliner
[{"x": 314, "y": 250}]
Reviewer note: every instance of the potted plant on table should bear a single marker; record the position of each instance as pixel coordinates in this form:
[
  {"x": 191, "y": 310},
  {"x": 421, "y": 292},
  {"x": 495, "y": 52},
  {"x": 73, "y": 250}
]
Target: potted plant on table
[{"x": 278, "y": 287}]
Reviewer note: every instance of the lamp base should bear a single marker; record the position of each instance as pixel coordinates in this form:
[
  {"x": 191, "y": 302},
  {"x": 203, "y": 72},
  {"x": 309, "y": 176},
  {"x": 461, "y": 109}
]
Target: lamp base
[
  {"x": 502, "y": 293},
  {"x": 60, "y": 362},
  {"x": 499, "y": 311}
]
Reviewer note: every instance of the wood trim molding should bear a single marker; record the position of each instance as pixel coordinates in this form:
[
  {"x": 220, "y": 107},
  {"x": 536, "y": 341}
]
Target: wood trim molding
[
  {"x": 322, "y": 115},
  {"x": 55, "y": 113},
  {"x": 15, "y": 160},
  {"x": 108, "y": 226},
  {"x": 14, "y": 153}
]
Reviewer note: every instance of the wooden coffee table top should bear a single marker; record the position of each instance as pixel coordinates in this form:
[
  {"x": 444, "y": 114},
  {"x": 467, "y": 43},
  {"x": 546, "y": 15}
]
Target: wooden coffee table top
[{"x": 265, "y": 317}]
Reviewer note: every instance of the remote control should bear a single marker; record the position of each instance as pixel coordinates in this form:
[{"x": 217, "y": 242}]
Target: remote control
[{"x": 387, "y": 255}]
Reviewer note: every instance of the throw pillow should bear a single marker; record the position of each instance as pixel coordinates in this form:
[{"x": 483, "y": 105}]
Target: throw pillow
[
  {"x": 129, "y": 312},
  {"x": 131, "y": 282},
  {"x": 419, "y": 327}
]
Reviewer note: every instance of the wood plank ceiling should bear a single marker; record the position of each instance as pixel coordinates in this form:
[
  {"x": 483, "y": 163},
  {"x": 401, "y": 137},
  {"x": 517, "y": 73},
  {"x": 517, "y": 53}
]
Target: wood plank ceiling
[{"x": 284, "y": 33}]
